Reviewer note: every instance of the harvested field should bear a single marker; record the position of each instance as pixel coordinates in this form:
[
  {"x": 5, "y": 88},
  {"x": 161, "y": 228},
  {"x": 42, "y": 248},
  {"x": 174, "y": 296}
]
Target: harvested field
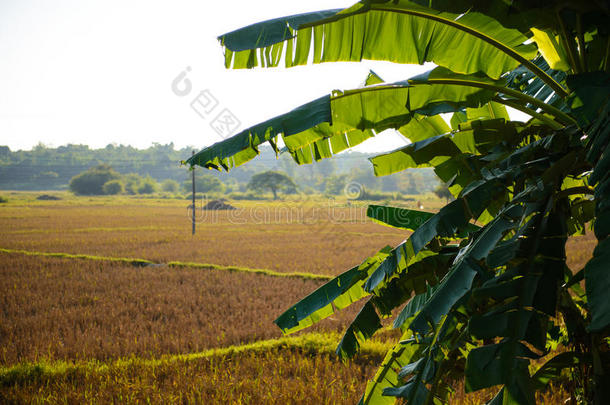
[
  {"x": 308, "y": 238},
  {"x": 77, "y": 330},
  {"x": 61, "y": 309}
]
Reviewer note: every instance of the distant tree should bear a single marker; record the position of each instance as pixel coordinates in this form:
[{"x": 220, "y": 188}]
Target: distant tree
[
  {"x": 272, "y": 181},
  {"x": 170, "y": 186},
  {"x": 113, "y": 187},
  {"x": 442, "y": 191},
  {"x": 91, "y": 181},
  {"x": 5, "y": 152},
  {"x": 409, "y": 182},
  {"x": 47, "y": 176},
  {"x": 46, "y": 179},
  {"x": 335, "y": 184},
  {"x": 132, "y": 182},
  {"x": 204, "y": 183},
  {"x": 148, "y": 186},
  {"x": 366, "y": 178}
]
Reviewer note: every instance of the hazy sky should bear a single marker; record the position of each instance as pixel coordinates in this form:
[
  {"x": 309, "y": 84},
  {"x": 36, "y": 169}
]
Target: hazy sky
[{"x": 99, "y": 72}]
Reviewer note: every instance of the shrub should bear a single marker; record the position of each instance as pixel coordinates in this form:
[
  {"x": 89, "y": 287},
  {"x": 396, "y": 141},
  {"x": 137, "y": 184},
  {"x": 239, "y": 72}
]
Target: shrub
[
  {"x": 113, "y": 187},
  {"x": 91, "y": 181},
  {"x": 132, "y": 182},
  {"x": 170, "y": 186},
  {"x": 148, "y": 186},
  {"x": 204, "y": 183}
]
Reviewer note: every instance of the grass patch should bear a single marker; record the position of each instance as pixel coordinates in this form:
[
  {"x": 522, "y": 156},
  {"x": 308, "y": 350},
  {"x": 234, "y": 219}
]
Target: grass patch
[{"x": 311, "y": 343}]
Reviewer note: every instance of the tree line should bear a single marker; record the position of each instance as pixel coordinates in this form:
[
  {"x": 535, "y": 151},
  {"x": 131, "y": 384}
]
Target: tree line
[{"x": 158, "y": 169}]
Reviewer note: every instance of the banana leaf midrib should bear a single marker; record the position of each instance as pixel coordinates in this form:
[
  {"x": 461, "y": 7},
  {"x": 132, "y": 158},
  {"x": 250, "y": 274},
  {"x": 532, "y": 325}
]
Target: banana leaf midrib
[{"x": 564, "y": 118}]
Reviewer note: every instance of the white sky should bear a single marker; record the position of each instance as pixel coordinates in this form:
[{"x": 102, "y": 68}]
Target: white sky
[{"x": 100, "y": 72}]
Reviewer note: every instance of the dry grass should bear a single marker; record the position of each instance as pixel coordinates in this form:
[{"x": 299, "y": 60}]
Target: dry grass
[
  {"x": 308, "y": 237},
  {"x": 79, "y": 310},
  {"x": 270, "y": 377},
  {"x": 64, "y": 309}
]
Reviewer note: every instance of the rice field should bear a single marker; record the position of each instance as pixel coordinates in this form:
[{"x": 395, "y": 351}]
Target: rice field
[{"x": 87, "y": 329}]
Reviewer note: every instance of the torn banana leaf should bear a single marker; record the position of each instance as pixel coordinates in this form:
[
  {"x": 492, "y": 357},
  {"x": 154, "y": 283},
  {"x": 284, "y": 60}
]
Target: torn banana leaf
[
  {"x": 397, "y": 31},
  {"x": 331, "y": 124}
]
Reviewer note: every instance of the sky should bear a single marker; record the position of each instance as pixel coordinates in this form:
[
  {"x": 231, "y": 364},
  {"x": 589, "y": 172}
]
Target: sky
[{"x": 100, "y": 72}]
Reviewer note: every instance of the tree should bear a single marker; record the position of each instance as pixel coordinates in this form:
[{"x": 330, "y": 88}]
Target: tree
[
  {"x": 148, "y": 185},
  {"x": 442, "y": 191},
  {"x": 204, "y": 183},
  {"x": 91, "y": 181},
  {"x": 272, "y": 181},
  {"x": 478, "y": 302},
  {"x": 170, "y": 186},
  {"x": 335, "y": 184},
  {"x": 133, "y": 183},
  {"x": 113, "y": 187}
]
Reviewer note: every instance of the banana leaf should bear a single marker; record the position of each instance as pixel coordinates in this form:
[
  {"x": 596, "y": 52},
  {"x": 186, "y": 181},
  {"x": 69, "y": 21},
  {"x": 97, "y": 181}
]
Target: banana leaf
[{"x": 397, "y": 31}]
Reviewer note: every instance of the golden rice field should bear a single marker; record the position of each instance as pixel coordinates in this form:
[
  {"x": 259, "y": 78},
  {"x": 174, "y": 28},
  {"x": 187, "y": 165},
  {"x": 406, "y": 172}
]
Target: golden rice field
[{"x": 98, "y": 331}]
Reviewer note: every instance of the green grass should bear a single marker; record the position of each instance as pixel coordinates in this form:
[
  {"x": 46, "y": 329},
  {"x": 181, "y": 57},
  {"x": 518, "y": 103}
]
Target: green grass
[{"x": 311, "y": 343}]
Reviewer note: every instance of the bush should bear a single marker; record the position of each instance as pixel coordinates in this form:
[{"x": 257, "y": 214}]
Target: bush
[
  {"x": 204, "y": 183},
  {"x": 148, "y": 186},
  {"x": 91, "y": 181},
  {"x": 132, "y": 182},
  {"x": 372, "y": 196},
  {"x": 170, "y": 186},
  {"x": 48, "y": 197},
  {"x": 113, "y": 187},
  {"x": 3, "y": 200},
  {"x": 335, "y": 184}
]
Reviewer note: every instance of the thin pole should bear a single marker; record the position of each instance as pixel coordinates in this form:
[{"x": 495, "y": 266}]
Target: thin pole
[{"x": 193, "y": 211}]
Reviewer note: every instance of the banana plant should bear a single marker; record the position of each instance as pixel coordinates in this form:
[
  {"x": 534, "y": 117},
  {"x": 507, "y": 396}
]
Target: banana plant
[{"x": 480, "y": 290}]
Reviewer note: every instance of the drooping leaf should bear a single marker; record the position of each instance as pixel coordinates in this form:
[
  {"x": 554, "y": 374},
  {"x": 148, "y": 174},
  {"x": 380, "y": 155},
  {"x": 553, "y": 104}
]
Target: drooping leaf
[
  {"x": 397, "y": 217},
  {"x": 451, "y": 221},
  {"x": 242, "y": 147},
  {"x": 403, "y": 353},
  {"x": 553, "y": 368},
  {"x": 484, "y": 370},
  {"x": 393, "y": 105},
  {"x": 338, "y": 293},
  {"x": 417, "y": 278},
  {"x": 413, "y": 307},
  {"x": 331, "y": 124},
  {"x": 597, "y": 281},
  {"x": 459, "y": 279},
  {"x": 363, "y": 327}
]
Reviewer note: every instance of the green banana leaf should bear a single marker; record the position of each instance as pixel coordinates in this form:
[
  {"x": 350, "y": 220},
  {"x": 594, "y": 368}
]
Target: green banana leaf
[
  {"x": 337, "y": 294},
  {"x": 451, "y": 221},
  {"x": 405, "y": 352},
  {"x": 397, "y": 217},
  {"x": 397, "y": 31},
  {"x": 331, "y": 124},
  {"x": 459, "y": 279},
  {"x": 474, "y": 137}
]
